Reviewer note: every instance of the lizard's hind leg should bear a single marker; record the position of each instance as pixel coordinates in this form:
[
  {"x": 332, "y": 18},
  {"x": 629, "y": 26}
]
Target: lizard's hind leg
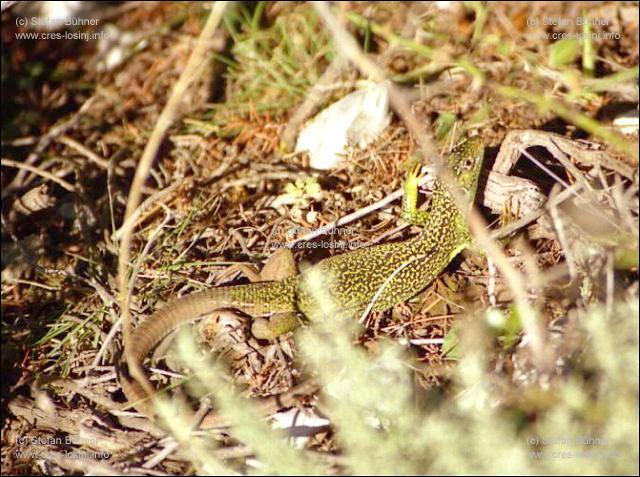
[
  {"x": 278, "y": 324},
  {"x": 279, "y": 266}
]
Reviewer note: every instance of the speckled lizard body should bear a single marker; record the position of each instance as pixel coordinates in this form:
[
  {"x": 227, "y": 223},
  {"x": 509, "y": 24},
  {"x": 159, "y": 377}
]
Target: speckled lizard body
[{"x": 385, "y": 274}]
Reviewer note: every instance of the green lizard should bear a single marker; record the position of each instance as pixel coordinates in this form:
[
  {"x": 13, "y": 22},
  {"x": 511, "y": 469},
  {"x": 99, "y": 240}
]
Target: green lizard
[{"x": 378, "y": 277}]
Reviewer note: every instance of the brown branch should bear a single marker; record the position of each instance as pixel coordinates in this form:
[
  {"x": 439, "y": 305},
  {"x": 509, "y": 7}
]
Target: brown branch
[
  {"x": 515, "y": 280},
  {"x": 191, "y": 72}
]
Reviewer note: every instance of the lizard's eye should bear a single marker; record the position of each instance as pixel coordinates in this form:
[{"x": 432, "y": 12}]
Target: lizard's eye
[{"x": 468, "y": 164}]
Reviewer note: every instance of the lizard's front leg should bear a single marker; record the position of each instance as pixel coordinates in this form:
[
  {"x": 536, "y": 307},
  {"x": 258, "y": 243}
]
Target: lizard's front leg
[{"x": 410, "y": 211}]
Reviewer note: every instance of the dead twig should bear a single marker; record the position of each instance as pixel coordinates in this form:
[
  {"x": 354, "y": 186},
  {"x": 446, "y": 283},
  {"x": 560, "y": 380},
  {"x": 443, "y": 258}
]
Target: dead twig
[
  {"x": 166, "y": 118},
  {"x": 57, "y": 130},
  {"x": 515, "y": 280},
  {"x": 47, "y": 175}
]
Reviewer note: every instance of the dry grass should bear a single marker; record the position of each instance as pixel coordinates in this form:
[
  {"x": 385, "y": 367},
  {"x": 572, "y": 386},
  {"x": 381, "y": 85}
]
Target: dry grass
[{"x": 206, "y": 206}]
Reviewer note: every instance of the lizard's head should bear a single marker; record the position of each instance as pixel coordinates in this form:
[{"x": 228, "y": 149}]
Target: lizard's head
[{"x": 466, "y": 161}]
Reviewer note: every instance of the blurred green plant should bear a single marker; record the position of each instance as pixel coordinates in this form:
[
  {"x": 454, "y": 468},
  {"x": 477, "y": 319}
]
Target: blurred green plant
[
  {"x": 385, "y": 425},
  {"x": 564, "y": 52}
]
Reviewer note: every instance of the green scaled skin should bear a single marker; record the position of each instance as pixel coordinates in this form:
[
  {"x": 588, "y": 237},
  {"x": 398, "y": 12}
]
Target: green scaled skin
[
  {"x": 378, "y": 277},
  {"x": 394, "y": 272}
]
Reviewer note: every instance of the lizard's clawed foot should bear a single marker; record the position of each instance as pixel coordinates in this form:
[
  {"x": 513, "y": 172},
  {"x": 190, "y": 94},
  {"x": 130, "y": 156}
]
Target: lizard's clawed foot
[
  {"x": 414, "y": 176},
  {"x": 410, "y": 212}
]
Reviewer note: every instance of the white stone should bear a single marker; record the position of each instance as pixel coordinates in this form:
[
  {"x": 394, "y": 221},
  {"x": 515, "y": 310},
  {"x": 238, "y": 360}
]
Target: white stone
[{"x": 355, "y": 120}]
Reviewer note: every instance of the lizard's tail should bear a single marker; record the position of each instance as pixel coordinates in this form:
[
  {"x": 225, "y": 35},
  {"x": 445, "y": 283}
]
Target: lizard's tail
[{"x": 254, "y": 298}]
